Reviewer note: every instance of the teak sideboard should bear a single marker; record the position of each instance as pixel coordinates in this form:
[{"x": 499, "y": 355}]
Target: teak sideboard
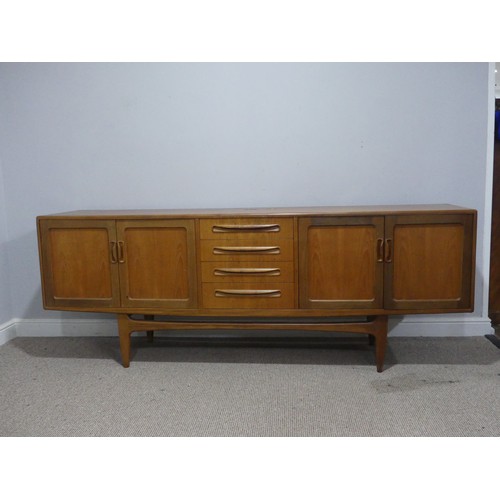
[{"x": 320, "y": 268}]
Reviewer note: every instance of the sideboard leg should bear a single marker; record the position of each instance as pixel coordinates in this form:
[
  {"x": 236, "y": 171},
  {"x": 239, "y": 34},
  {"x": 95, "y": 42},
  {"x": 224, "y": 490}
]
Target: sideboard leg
[
  {"x": 150, "y": 333},
  {"x": 380, "y": 342},
  {"x": 124, "y": 333}
]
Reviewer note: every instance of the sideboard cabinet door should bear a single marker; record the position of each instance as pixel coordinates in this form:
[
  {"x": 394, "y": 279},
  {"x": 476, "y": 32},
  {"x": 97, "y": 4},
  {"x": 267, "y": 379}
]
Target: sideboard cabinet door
[
  {"x": 78, "y": 264},
  {"x": 341, "y": 262},
  {"x": 157, "y": 263},
  {"x": 429, "y": 261}
]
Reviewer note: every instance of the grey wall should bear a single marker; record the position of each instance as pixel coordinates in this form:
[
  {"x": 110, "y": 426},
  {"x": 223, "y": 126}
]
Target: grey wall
[
  {"x": 5, "y": 303},
  {"x": 77, "y": 136}
]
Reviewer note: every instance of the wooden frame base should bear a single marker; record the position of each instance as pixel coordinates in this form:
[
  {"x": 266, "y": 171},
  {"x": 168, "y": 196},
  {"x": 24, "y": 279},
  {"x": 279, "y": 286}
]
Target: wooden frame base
[{"x": 374, "y": 326}]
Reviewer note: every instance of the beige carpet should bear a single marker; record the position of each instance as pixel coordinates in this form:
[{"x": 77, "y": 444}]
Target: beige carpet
[{"x": 76, "y": 387}]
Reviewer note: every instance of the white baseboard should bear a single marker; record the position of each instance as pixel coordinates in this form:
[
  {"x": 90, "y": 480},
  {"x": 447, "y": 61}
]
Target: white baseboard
[
  {"x": 66, "y": 328},
  {"x": 8, "y": 331},
  {"x": 409, "y": 326},
  {"x": 414, "y": 326}
]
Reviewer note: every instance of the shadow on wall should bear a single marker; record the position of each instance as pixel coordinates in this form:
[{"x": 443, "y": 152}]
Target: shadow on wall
[
  {"x": 25, "y": 276},
  {"x": 5, "y": 300}
]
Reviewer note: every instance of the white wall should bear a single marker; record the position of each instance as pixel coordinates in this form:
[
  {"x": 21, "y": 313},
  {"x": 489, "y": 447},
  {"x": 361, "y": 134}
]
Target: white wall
[
  {"x": 5, "y": 303},
  {"x": 77, "y": 136},
  {"x": 7, "y": 327},
  {"x": 497, "y": 80}
]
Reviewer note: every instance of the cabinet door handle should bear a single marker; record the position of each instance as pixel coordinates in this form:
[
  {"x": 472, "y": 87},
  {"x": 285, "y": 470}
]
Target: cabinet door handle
[
  {"x": 260, "y": 228},
  {"x": 265, "y": 250},
  {"x": 112, "y": 251},
  {"x": 388, "y": 250},
  {"x": 121, "y": 254},
  {"x": 380, "y": 250},
  {"x": 272, "y": 271},
  {"x": 248, "y": 293}
]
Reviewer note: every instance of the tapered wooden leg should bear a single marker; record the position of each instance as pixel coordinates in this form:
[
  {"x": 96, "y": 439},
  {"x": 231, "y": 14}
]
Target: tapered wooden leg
[
  {"x": 124, "y": 332},
  {"x": 150, "y": 333},
  {"x": 380, "y": 342}
]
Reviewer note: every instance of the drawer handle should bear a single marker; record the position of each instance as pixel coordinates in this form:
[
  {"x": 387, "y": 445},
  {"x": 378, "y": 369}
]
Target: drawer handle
[
  {"x": 248, "y": 293},
  {"x": 380, "y": 250},
  {"x": 388, "y": 250},
  {"x": 121, "y": 255},
  {"x": 260, "y": 228},
  {"x": 265, "y": 250},
  {"x": 272, "y": 271},
  {"x": 114, "y": 255}
]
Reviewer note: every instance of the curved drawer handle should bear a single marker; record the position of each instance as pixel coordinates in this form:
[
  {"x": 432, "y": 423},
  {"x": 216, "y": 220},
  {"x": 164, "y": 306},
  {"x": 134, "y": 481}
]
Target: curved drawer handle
[
  {"x": 272, "y": 271},
  {"x": 380, "y": 250},
  {"x": 388, "y": 250},
  {"x": 248, "y": 293},
  {"x": 266, "y": 250},
  {"x": 121, "y": 254},
  {"x": 113, "y": 253},
  {"x": 260, "y": 228}
]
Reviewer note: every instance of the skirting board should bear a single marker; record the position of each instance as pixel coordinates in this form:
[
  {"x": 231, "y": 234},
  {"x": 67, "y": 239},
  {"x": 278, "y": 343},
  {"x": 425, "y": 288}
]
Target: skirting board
[
  {"x": 7, "y": 331},
  {"x": 66, "y": 328},
  {"x": 398, "y": 327},
  {"x": 439, "y": 327}
]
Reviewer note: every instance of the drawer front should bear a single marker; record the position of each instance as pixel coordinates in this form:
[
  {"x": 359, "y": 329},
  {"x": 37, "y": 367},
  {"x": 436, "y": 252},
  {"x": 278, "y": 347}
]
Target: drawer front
[
  {"x": 246, "y": 228},
  {"x": 223, "y": 295},
  {"x": 247, "y": 272},
  {"x": 252, "y": 249}
]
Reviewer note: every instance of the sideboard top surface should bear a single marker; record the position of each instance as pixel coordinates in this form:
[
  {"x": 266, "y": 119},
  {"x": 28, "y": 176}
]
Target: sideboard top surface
[{"x": 252, "y": 212}]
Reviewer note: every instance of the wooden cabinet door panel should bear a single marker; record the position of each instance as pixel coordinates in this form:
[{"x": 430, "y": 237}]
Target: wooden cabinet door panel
[
  {"x": 77, "y": 263},
  {"x": 429, "y": 261},
  {"x": 157, "y": 263},
  {"x": 341, "y": 262}
]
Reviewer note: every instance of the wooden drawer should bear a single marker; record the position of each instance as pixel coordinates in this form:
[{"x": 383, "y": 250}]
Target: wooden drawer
[
  {"x": 247, "y": 272},
  {"x": 248, "y": 296},
  {"x": 246, "y": 228},
  {"x": 259, "y": 248}
]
